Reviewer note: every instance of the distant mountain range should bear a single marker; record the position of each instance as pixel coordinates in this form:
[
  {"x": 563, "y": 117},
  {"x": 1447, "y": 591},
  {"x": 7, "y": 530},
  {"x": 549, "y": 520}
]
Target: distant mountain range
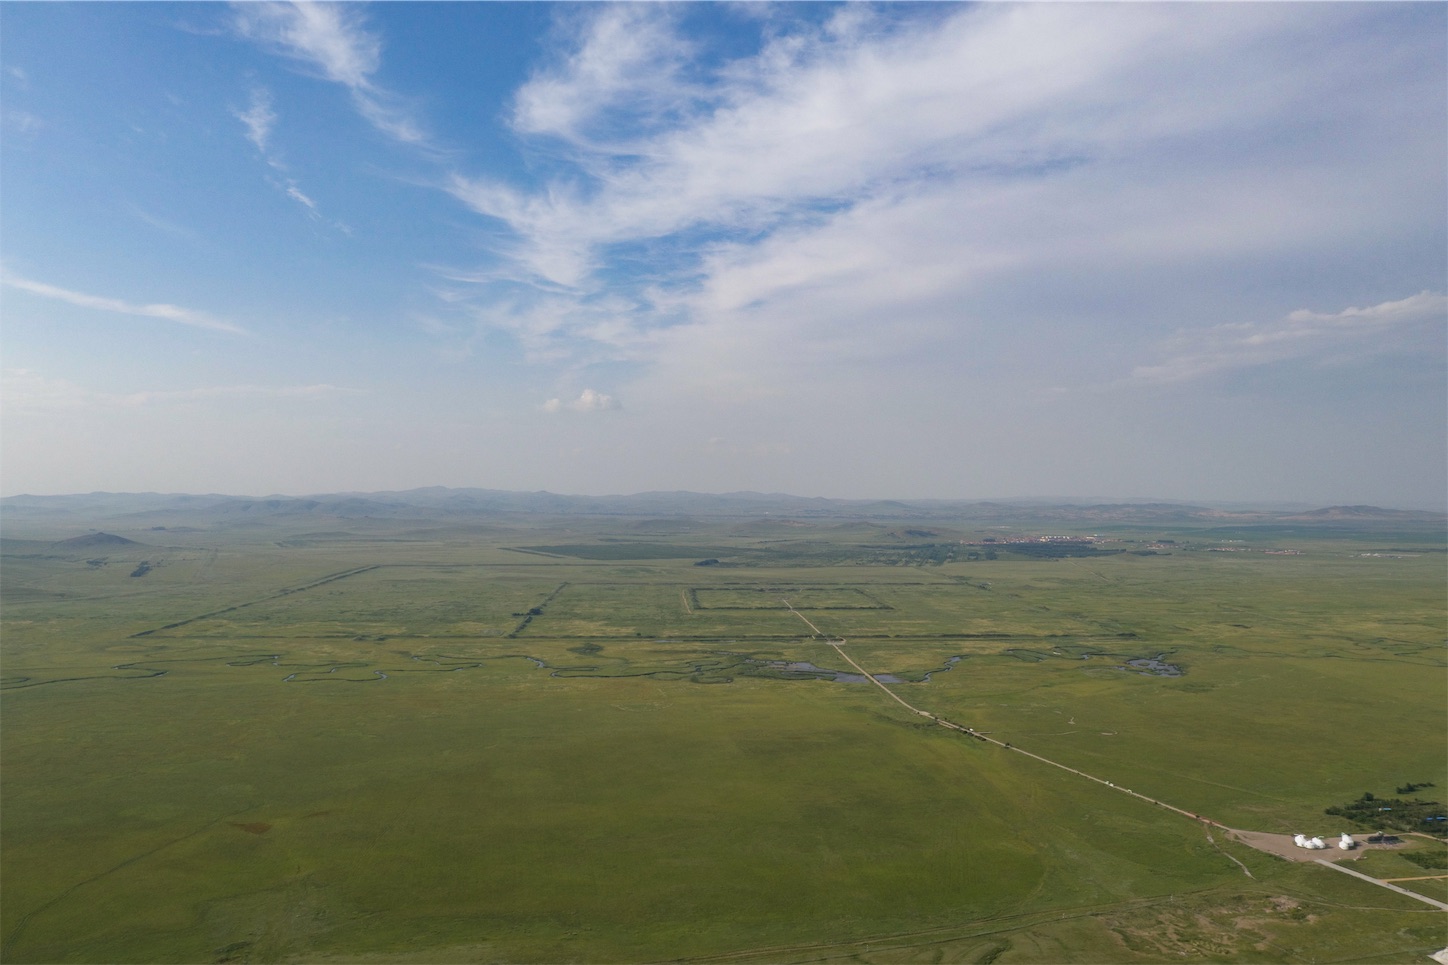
[{"x": 439, "y": 502}]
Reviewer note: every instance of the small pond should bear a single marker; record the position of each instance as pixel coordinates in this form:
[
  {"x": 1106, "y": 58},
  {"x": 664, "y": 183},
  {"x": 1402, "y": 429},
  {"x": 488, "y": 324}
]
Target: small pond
[{"x": 1154, "y": 666}]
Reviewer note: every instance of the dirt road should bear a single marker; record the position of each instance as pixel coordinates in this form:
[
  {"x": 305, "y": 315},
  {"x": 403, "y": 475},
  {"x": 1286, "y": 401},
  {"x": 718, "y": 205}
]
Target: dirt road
[
  {"x": 951, "y": 725},
  {"x": 1251, "y": 838}
]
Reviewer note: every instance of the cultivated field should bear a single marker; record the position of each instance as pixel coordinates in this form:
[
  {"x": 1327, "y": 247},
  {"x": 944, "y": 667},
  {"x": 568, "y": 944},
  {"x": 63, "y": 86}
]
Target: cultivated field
[{"x": 610, "y": 739}]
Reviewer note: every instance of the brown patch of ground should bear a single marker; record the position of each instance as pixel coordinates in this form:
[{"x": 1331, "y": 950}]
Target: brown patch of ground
[
  {"x": 254, "y": 827},
  {"x": 1282, "y": 846},
  {"x": 1187, "y": 929}
]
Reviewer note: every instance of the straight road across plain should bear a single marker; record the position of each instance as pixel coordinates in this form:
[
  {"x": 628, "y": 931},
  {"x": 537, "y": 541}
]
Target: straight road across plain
[
  {"x": 838, "y": 645},
  {"x": 972, "y": 732}
]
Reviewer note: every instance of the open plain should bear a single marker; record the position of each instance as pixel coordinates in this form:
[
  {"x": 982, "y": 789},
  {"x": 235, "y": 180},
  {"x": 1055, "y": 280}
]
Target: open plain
[{"x": 316, "y": 733}]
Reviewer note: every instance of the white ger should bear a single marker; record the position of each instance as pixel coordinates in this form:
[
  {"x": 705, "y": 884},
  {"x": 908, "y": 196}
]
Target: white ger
[{"x": 1346, "y": 843}]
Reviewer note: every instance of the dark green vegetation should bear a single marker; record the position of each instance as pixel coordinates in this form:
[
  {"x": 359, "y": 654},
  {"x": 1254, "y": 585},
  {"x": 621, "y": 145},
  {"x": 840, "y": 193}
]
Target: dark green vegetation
[
  {"x": 1436, "y": 858},
  {"x": 1394, "y": 814},
  {"x": 352, "y": 731}
]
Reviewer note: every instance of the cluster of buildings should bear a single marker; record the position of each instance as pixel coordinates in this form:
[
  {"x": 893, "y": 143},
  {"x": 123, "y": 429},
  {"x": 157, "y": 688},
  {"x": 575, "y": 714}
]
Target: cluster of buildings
[
  {"x": 1345, "y": 843},
  {"x": 1007, "y": 540}
]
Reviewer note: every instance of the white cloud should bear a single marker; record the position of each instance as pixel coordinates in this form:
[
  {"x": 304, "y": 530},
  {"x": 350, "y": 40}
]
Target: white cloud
[
  {"x": 161, "y": 396},
  {"x": 384, "y": 112},
  {"x": 26, "y": 389},
  {"x": 259, "y": 119},
  {"x": 328, "y": 36},
  {"x": 589, "y": 400},
  {"x": 295, "y": 193},
  {"x": 952, "y": 189},
  {"x": 628, "y": 60},
  {"x": 823, "y": 119},
  {"x": 553, "y": 327},
  {"x": 1302, "y": 334},
  {"x": 23, "y": 122},
  {"x": 333, "y": 39},
  {"x": 159, "y": 223},
  {"x": 1422, "y": 306},
  {"x": 171, "y": 313}
]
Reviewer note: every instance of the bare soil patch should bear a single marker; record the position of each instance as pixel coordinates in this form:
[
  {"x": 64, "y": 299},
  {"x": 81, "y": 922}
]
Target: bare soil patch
[
  {"x": 1234, "y": 927},
  {"x": 1282, "y": 846}
]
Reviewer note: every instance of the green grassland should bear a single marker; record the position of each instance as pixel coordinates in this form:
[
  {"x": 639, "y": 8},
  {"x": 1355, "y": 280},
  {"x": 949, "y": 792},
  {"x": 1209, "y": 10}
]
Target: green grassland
[{"x": 546, "y": 740}]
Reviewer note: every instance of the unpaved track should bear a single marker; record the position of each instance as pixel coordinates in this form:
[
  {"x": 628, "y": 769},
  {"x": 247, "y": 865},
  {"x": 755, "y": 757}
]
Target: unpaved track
[
  {"x": 1383, "y": 884},
  {"x": 1208, "y": 822},
  {"x": 951, "y": 725}
]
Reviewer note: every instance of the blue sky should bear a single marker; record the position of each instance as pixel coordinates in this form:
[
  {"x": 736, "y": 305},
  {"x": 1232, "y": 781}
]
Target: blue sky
[{"x": 1187, "y": 251}]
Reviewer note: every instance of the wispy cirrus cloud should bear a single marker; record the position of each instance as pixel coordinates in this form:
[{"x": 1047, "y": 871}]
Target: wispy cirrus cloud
[
  {"x": 814, "y": 122},
  {"x": 160, "y": 396},
  {"x": 159, "y": 223},
  {"x": 874, "y": 186},
  {"x": 328, "y": 36},
  {"x": 23, "y": 123},
  {"x": 295, "y": 193},
  {"x": 332, "y": 39},
  {"x": 1302, "y": 334},
  {"x": 170, "y": 313},
  {"x": 31, "y": 390},
  {"x": 624, "y": 71},
  {"x": 259, "y": 118}
]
